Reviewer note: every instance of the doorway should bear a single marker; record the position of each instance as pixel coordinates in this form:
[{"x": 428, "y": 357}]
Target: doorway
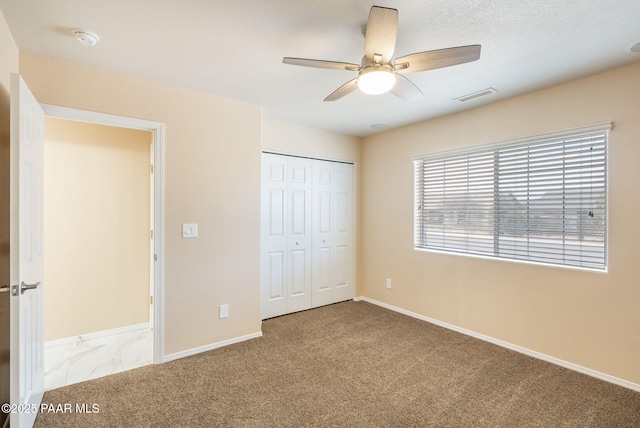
[{"x": 108, "y": 217}]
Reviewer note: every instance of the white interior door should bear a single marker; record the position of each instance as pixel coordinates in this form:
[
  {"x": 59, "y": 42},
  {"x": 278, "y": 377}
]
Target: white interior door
[
  {"x": 298, "y": 250},
  {"x": 343, "y": 249},
  {"x": 333, "y": 250},
  {"x": 26, "y": 254},
  {"x": 323, "y": 271},
  {"x": 274, "y": 243},
  {"x": 286, "y": 235}
]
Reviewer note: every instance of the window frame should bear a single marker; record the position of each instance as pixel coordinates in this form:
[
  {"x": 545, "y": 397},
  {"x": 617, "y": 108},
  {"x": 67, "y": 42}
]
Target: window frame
[{"x": 421, "y": 224}]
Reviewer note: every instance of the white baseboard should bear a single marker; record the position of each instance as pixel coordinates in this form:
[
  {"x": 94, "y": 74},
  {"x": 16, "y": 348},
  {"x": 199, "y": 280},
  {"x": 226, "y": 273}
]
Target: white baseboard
[
  {"x": 95, "y": 335},
  {"x": 194, "y": 351},
  {"x": 529, "y": 352}
]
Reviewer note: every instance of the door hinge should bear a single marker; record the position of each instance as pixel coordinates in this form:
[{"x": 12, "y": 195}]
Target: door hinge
[
  {"x": 151, "y": 234},
  {"x": 151, "y": 300},
  {"x": 155, "y": 257},
  {"x": 151, "y": 169}
]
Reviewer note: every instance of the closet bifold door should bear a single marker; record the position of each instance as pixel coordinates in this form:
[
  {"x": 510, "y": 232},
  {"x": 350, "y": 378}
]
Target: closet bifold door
[
  {"x": 343, "y": 226},
  {"x": 323, "y": 272},
  {"x": 286, "y": 235},
  {"x": 298, "y": 232},
  {"x": 332, "y": 224},
  {"x": 307, "y": 252}
]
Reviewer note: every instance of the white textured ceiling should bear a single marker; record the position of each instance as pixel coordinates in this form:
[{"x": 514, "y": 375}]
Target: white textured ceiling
[{"x": 234, "y": 48}]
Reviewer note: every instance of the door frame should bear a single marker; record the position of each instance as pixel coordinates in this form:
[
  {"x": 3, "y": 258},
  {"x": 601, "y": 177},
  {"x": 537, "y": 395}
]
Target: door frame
[{"x": 157, "y": 184}]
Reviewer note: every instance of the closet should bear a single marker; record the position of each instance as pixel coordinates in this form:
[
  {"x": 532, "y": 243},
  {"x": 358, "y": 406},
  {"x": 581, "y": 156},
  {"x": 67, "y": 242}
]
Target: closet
[{"x": 307, "y": 222}]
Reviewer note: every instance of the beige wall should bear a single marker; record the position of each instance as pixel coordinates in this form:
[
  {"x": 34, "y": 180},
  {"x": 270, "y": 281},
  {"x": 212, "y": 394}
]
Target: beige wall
[
  {"x": 96, "y": 227},
  {"x": 589, "y": 319},
  {"x": 284, "y": 137},
  {"x": 8, "y": 65},
  {"x": 289, "y": 138},
  {"x": 212, "y": 153}
]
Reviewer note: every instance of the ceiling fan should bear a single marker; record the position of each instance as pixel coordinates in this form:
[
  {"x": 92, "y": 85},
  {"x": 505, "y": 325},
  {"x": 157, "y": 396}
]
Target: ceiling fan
[{"x": 377, "y": 74}]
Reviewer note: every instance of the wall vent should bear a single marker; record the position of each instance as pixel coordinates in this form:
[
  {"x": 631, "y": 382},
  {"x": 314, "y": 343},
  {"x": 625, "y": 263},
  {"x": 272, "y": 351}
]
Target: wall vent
[{"x": 475, "y": 95}]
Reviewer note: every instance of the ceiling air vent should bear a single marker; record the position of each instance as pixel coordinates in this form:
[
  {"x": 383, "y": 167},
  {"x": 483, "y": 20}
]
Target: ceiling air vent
[{"x": 475, "y": 95}]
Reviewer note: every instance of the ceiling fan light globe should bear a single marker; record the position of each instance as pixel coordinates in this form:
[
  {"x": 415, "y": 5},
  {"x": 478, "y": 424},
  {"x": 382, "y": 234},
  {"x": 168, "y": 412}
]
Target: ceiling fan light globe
[{"x": 376, "y": 80}]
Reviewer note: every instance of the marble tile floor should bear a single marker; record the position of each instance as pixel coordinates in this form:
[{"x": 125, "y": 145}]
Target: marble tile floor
[{"x": 71, "y": 361}]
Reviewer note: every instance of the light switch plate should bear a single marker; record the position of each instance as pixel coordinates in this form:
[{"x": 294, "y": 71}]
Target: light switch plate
[
  {"x": 224, "y": 311},
  {"x": 190, "y": 230}
]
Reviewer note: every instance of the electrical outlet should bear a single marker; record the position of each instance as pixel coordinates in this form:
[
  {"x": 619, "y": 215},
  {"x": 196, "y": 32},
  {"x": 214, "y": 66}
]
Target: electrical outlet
[
  {"x": 388, "y": 283},
  {"x": 224, "y": 311}
]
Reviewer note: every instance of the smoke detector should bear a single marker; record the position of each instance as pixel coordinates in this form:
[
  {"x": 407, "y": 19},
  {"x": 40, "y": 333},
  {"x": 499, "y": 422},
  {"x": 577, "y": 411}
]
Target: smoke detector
[{"x": 86, "y": 37}]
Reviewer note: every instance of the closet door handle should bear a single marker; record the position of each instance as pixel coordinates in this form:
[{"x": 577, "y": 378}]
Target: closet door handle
[
  {"x": 297, "y": 243},
  {"x": 24, "y": 287}
]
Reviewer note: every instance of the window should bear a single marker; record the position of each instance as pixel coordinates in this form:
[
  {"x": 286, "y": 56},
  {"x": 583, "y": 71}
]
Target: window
[{"x": 541, "y": 199}]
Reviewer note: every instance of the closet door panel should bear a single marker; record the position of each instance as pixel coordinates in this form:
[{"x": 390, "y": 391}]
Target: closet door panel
[
  {"x": 323, "y": 213},
  {"x": 344, "y": 287},
  {"x": 275, "y": 276},
  {"x": 322, "y": 222},
  {"x": 275, "y": 201},
  {"x": 341, "y": 265},
  {"x": 322, "y": 269},
  {"x": 298, "y": 231},
  {"x": 299, "y": 213},
  {"x": 274, "y": 244},
  {"x": 298, "y": 273}
]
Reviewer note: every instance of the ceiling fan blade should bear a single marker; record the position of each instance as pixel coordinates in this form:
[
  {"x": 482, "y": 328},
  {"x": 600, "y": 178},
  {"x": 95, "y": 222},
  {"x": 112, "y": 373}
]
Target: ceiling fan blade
[
  {"x": 343, "y": 90},
  {"x": 431, "y": 60},
  {"x": 381, "y": 32},
  {"x": 405, "y": 89},
  {"x": 319, "y": 63}
]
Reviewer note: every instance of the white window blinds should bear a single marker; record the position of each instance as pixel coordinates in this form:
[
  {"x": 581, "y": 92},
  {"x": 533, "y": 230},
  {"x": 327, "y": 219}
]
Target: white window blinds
[{"x": 541, "y": 200}]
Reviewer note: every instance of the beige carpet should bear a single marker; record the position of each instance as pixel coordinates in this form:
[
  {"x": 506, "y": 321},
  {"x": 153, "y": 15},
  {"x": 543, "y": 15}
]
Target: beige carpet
[{"x": 350, "y": 364}]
